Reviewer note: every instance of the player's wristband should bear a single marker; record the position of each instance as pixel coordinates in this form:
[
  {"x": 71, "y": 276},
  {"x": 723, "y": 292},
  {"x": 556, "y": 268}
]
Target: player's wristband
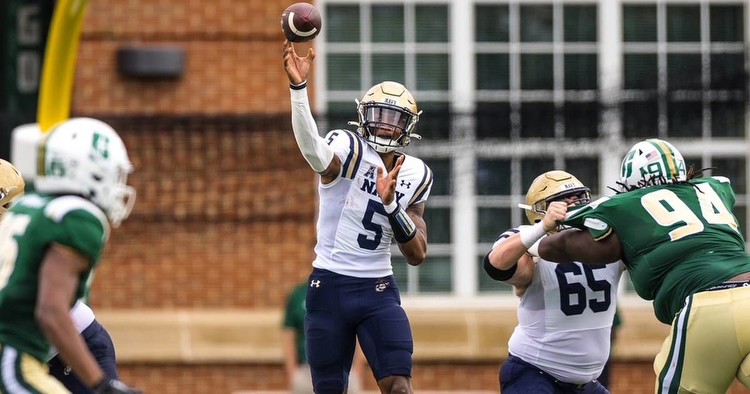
[
  {"x": 529, "y": 235},
  {"x": 391, "y": 208},
  {"x": 298, "y": 87},
  {"x": 403, "y": 227}
]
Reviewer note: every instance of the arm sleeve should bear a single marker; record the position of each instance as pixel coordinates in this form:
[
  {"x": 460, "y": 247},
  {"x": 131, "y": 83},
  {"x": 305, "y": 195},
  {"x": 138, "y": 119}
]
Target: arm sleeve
[{"x": 314, "y": 148}]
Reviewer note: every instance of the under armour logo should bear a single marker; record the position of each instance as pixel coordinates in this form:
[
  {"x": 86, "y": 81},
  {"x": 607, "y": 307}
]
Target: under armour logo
[
  {"x": 315, "y": 283},
  {"x": 67, "y": 370},
  {"x": 407, "y": 184}
]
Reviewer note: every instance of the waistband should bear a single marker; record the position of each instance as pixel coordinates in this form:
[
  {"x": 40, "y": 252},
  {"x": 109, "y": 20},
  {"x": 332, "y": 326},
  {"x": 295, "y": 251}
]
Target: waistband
[
  {"x": 570, "y": 386},
  {"x": 729, "y": 285}
]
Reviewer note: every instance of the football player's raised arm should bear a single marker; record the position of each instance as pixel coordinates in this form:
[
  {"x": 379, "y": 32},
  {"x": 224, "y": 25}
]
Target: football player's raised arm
[
  {"x": 314, "y": 148},
  {"x": 576, "y": 245}
]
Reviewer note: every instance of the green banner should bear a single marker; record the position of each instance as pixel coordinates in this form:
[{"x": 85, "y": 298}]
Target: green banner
[{"x": 25, "y": 26}]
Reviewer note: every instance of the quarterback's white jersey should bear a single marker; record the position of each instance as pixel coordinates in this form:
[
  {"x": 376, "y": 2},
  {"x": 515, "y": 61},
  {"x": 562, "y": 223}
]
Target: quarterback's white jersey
[
  {"x": 565, "y": 318},
  {"x": 354, "y": 234}
]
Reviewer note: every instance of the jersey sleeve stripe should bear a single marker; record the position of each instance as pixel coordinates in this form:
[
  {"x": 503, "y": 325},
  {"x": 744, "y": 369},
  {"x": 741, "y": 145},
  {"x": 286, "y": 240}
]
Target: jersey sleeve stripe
[
  {"x": 605, "y": 235},
  {"x": 351, "y": 164},
  {"x": 424, "y": 185}
]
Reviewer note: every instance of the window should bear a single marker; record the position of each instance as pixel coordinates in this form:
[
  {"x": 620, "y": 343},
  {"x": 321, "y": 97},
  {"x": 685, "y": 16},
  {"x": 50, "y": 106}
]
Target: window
[{"x": 541, "y": 93}]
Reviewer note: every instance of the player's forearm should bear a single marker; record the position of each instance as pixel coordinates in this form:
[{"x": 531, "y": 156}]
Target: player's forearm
[
  {"x": 506, "y": 254},
  {"x": 59, "y": 329},
  {"x": 415, "y": 250},
  {"x": 314, "y": 148}
]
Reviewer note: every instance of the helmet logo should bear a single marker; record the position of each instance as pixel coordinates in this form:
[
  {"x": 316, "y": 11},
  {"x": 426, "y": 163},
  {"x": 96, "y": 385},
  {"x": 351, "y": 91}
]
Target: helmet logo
[
  {"x": 56, "y": 168},
  {"x": 389, "y": 101},
  {"x": 627, "y": 168},
  {"x": 100, "y": 143}
]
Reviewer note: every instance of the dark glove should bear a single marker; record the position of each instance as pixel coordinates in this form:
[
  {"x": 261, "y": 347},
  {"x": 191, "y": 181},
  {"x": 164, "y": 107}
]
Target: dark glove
[{"x": 114, "y": 386}]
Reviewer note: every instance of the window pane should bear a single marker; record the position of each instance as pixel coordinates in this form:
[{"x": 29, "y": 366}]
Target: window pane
[
  {"x": 537, "y": 72},
  {"x": 493, "y": 177},
  {"x": 586, "y": 170},
  {"x": 639, "y": 23},
  {"x": 400, "y": 272},
  {"x": 536, "y": 23},
  {"x": 388, "y": 67},
  {"x": 734, "y": 169},
  {"x": 532, "y": 168},
  {"x": 728, "y": 119},
  {"x": 493, "y": 71},
  {"x": 342, "y": 23},
  {"x": 684, "y": 71},
  {"x": 728, "y": 71},
  {"x": 581, "y": 71},
  {"x": 487, "y": 284},
  {"x": 580, "y": 23},
  {"x": 641, "y": 71},
  {"x": 537, "y": 120},
  {"x": 640, "y": 119},
  {"x": 435, "y": 120},
  {"x": 433, "y": 72},
  {"x": 387, "y": 23},
  {"x": 435, "y": 275},
  {"x": 726, "y": 23},
  {"x": 492, "y": 222},
  {"x": 581, "y": 120},
  {"x": 683, "y": 23},
  {"x": 493, "y": 120},
  {"x": 343, "y": 72},
  {"x": 432, "y": 23},
  {"x": 685, "y": 119},
  {"x": 339, "y": 113},
  {"x": 441, "y": 176},
  {"x": 492, "y": 23},
  {"x": 438, "y": 224}
]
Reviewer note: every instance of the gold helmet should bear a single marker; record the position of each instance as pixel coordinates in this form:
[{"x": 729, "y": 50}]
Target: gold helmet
[
  {"x": 388, "y": 105},
  {"x": 11, "y": 185},
  {"x": 553, "y": 186}
]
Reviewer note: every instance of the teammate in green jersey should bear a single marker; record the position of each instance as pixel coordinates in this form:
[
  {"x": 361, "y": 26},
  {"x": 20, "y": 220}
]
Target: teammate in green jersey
[
  {"x": 683, "y": 249},
  {"x": 51, "y": 242}
]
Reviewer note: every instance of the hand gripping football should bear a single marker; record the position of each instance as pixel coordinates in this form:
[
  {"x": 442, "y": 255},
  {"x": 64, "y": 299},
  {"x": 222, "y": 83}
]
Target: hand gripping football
[{"x": 301, "y": 22}]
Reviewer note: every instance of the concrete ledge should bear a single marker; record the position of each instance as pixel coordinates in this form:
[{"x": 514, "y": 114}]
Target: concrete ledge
[{"x": 254, "y": 336}]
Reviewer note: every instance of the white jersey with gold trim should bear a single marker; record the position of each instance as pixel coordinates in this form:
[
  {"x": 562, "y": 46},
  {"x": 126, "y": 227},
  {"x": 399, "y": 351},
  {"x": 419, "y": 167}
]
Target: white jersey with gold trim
[
  {"x": 354, "y": 234},
  {"x": 565, "y": 318}
]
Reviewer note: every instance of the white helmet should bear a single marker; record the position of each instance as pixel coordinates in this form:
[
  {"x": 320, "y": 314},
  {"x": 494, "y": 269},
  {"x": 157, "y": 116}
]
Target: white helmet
[
  {"x": 652, "y": 162},
  {"x": 85, "y": 156}
]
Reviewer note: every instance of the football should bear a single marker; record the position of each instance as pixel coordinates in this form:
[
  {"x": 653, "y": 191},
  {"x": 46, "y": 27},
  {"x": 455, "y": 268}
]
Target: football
[{"x": 301, "y": 22}]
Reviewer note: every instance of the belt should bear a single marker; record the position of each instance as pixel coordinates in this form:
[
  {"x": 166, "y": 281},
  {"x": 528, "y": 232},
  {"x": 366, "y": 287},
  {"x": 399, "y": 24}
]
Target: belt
[
  {"x": 573, "y": 386},
  {"x": 729, "y": 285}
]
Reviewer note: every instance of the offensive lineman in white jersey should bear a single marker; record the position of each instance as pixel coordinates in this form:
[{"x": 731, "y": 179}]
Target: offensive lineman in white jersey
[
  {"x": 369, "y": 195},
  {"x": 566, "y": 312}
]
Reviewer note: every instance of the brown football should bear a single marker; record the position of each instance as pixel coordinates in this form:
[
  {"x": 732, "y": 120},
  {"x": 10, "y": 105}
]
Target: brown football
[{"x": 301, "y": 22}]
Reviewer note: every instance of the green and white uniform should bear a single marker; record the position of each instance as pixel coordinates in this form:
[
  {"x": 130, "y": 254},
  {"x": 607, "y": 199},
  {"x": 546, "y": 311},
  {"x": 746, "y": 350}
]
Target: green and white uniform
[
  {"x": 677, "y": 242},
  {"x": 676, "y": 239},
  {"x": 26, "y": 232}
]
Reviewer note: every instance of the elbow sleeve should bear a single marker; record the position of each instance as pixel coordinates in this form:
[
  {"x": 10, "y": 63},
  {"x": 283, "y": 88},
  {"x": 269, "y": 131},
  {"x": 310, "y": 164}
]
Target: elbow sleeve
[
  {"x": 314, "y": 148},
  {"x": 498, "y": 274}
]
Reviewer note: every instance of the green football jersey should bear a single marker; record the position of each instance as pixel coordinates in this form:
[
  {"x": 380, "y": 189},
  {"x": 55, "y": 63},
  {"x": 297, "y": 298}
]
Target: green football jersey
[
  {"x": 676, "y": 239},
  {"x": 27, "y": 230}
]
